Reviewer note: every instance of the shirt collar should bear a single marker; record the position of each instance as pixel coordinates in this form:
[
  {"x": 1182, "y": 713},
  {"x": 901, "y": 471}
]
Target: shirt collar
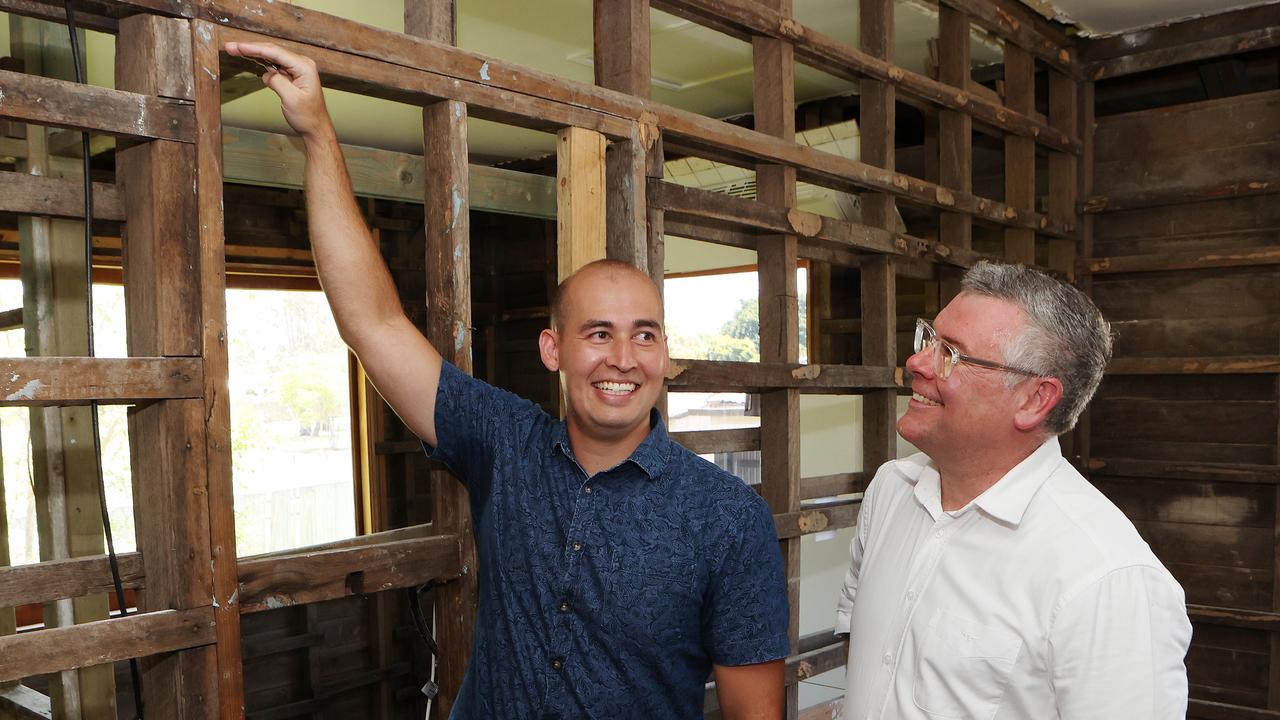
[
  {"x": 1007, "y": 500},
  {"x": 650, "y": 456}
]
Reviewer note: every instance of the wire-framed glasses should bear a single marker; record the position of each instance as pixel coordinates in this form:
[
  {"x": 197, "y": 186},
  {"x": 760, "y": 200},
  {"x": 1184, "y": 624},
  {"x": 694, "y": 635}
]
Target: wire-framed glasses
[{"x": 946, "y": 356}]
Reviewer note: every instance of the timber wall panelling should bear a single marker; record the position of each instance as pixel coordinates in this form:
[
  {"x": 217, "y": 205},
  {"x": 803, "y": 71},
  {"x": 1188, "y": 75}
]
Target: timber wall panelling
[
  {"x": 192, "y": 588},
  {"x": 1182, "y": 256}
]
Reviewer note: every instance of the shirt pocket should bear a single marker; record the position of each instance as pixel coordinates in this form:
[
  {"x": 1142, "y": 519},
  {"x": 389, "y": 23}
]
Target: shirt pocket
[
  {"x": 963, "y": 667},
  {"x": 655, "y": 604}
]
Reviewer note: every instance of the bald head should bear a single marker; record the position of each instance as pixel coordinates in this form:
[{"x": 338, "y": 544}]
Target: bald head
[{"x": 615, "y": 270}]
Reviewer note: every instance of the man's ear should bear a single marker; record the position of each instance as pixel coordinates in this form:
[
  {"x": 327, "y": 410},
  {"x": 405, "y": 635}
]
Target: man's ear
[
  {"x": 1045, "y": 395},
  {"x": 549, "y": 349}
]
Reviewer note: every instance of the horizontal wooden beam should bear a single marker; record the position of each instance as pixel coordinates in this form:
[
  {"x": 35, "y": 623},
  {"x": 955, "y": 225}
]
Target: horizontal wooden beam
[
  {"x": 105, "y": 641},
  {"x": 1179, "y": 470},
  {"x": 1160, "y": 262},
  {"x": 1235, "y": 617},
  {"x": 705, "y": 442},
  {"x": 1014, "y": 22},
  {"x": 19, "y": 702},
  {"x": 833, "y": 516},
  {"x": 56, "y": 197},
  {"x": 72, "y": 578},
  {"x": 61, "y": 103},
  {"x": 821, "y": 486},
  {"x": 1157, "y": 198},
  {"x": 829, "y": 55},
  {"x": 751, "y": 377},
  {"x": 1213, "y": 710},
  {"x": 253, "y": 157},
  {"x": 1206, "y": 49},
  {"x": 811, "y": 663},
  {"x": 1233, "y": 365},
  {"x": 42, "y": 381},
  {"x": 56, "y": 12},
  {"x": 283, "y": 580}
]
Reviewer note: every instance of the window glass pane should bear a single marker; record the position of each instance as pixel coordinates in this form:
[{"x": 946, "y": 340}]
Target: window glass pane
[{"x": 290, "y": 421}]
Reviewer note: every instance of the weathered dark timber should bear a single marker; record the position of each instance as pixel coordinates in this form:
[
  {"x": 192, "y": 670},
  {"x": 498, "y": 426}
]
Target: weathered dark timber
[
  {"x": 35, "y": 195},
  {"x": 1222, "y": 472},
  {"x": 56, "y": 12},
  {"x": 1194, "y": 366},
  {"x": 104, "y": 641},
  {"x": 44, "y": 381},
  {"x": 702, "y": 442},
  {"x": 751, "y": 377},
  {"x": 1244, "y": 41},
  {"x": 57, "y": 579},
  {"x": 1267, "y": 255},
  {"x": 822, "y": 486},
  {"x": 60, "y": 103},
  {"x": 811, "y": 520},
  {"x": 307, "y": 577}
]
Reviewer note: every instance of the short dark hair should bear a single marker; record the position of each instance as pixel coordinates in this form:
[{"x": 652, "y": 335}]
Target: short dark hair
[
  {"x": 1065, "y": 336},
  {"x": 559, "y": 294}
]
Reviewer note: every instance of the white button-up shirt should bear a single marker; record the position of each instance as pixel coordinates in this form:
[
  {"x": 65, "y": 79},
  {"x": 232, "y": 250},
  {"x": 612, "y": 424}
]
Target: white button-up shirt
[{"x": 1037, "y": 600}]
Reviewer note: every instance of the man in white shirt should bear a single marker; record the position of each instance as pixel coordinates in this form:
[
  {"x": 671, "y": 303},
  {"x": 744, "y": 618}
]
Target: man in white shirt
[{"x": 987, "y": 578}]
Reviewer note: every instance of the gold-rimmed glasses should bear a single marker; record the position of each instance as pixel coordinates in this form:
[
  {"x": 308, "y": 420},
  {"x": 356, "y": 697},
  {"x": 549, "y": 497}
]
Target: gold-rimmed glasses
[{"x": 946, "y": 356}]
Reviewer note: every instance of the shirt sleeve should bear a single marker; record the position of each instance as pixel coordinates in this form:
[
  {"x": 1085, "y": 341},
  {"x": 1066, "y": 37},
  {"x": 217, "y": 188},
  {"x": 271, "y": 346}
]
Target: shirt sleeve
[
  {"x": 1117, "y": 648},
  {"x": 857, "y": 546},
  {"x": 473, "y": 421},
  {"x": 747, "y": 613}
]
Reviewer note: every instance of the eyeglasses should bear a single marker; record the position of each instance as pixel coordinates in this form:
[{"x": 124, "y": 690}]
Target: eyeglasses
[{"x": 946, "y": 356}]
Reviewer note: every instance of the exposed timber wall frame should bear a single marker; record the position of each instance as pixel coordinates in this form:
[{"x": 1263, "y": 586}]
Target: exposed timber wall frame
[{"x": 167, "y": 111}]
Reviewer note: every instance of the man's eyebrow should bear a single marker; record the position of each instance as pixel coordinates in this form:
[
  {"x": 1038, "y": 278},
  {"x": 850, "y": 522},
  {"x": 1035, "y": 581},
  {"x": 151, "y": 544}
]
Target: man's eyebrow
[
  {"x": 591, "y": 324},
  {"x": 647, "y": 324}
]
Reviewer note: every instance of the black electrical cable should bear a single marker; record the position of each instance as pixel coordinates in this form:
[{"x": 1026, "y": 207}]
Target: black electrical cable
[{"x": 88, "y": 300}]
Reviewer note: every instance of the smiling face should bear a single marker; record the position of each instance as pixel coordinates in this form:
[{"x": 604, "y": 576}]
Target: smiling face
[
  {"x": 972, "y": 410},
  {"x": 610, "y": 349}
]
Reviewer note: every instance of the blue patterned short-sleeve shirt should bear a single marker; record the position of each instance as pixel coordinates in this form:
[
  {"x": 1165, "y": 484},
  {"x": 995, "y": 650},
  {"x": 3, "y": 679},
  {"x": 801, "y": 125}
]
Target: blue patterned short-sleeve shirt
[{"x": 605, "y": 597}]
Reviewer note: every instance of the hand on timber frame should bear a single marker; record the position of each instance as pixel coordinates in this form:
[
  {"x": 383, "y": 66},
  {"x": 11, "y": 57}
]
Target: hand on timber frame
[{"x": 295, "y": 79}]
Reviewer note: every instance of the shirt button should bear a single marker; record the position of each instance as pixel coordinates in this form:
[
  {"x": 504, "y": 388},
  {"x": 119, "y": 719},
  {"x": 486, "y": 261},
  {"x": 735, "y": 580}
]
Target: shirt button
[
  {"x": 911, "y": 596},
  {"x": 587, "y": 490},
  {"x": 564, "y": 607},
  {"x": 888, "y": 660},
  {"x": 557, "y": 663},
  {"x": 577, "y": 547},
  {"x": 938, "y": 534}
]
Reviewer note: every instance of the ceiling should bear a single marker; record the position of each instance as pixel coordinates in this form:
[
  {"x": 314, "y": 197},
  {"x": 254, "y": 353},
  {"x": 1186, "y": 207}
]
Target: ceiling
[{"x": 1110, "y": 17}]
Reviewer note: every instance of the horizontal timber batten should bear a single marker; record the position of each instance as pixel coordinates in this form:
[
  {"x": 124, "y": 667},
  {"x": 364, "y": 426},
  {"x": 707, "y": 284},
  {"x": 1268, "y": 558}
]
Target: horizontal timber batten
[
  {"x": 705, "y": 442},
  {"x": 832, "y": 516},
  {"x": 1157, "y": 198},
  {"x": 60, "y": 103},
  {"x": 1182, "y": 261},
  {"x": 832, "y": 56},
  {"x": 1234, "y": 365},
  {"x": 1176, "y": 470},
  {"x": 722, "y": 376},
  {"x": 39, "y": 381},
  {"x": 1247, "y": 41},
  {"x": 1234, "y": 617},
  {"x": 58, "y": 13},
  {"x": 821, "y": 486},
  {"x": 71, "y": 578},
  {"x": 55, "y": 197},
  {"x": 1213, "y": 710},
  {"x": 307, "y": 577},
  {"x": 105, "y": 641}
]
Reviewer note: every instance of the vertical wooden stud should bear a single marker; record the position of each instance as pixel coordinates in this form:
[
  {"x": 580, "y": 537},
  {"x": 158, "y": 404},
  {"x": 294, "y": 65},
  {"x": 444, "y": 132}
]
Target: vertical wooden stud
[
  {"x": 1080, "y": 441},
  {"x": 448, "y": 230},
  {"x": 205, "y": 49},
  {"x": 879, "y": 286},
  {"x": 163, "y": 268},
  {"x": 1019, "y": 153},
  {"x": 955, "y": 135},
  {"x": 1063, "y": 98},
  {"x": 580, "y": 201}
]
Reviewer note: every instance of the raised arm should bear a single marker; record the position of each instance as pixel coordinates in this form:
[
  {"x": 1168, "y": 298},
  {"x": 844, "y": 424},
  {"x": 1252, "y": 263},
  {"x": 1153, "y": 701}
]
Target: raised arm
[{"x": 402, "y": 364}]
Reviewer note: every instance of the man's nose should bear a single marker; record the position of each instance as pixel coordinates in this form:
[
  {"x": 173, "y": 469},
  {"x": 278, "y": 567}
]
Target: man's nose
[
  {"x": 921, "y": 363},
  {"x": 622, "y": 355}
]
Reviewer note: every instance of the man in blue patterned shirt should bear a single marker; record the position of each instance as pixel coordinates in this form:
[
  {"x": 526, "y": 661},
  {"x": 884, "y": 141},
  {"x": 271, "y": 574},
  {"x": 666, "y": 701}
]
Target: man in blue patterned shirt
[{"x": 618, "y": 570}]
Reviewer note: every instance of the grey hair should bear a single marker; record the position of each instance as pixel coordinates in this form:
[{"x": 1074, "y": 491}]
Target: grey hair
[{"x": 1065, "y": 335}]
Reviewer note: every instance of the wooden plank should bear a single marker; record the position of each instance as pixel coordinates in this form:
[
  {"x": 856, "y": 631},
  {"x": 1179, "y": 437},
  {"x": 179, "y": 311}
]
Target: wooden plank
[
  {"x": 831, "y": 56},
  {"x": 447, "y": 231},
  {"x": 55, "y": 197},
  {"x": 58, "y": 13},
  {"x": 1210, "y": 710},
  {"x": 268, "y": 583},
  {"x": 20, "y": 702},
  {"x": 1159, "y": 262},
  {"x": 1218, "y": 472},
  {"x": 1019, "y": 154},
  {"x": 1175, "y": 196},
  {"x": 274, "y": 160},
  {"x": 1063, "y": 179},
  {"x": 104, "y": 641},
  {"x": 822, "y": 486},
  {"x": 706, "y": 442},
  {"x": 1232, "y": 617},
  {"x": 1260, "y": 38},
  {"x": 205, "y": 48},
  {"x": 62, "y": 103},
  {"x": 1022, "y": 26},
  {"x": 1194, "y": 365},
  {"x": 751, "y": 377},
  {"x": 46, "y": 381},
  {"x": 955, "y": 129},
  {"x": 74, "y": 577},
  {"x": 817, "y": 519},
  {"x": 580, "y": 199},
  {"x": 817, "y": 661},
  {"x": 1095, "y": 50}
]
